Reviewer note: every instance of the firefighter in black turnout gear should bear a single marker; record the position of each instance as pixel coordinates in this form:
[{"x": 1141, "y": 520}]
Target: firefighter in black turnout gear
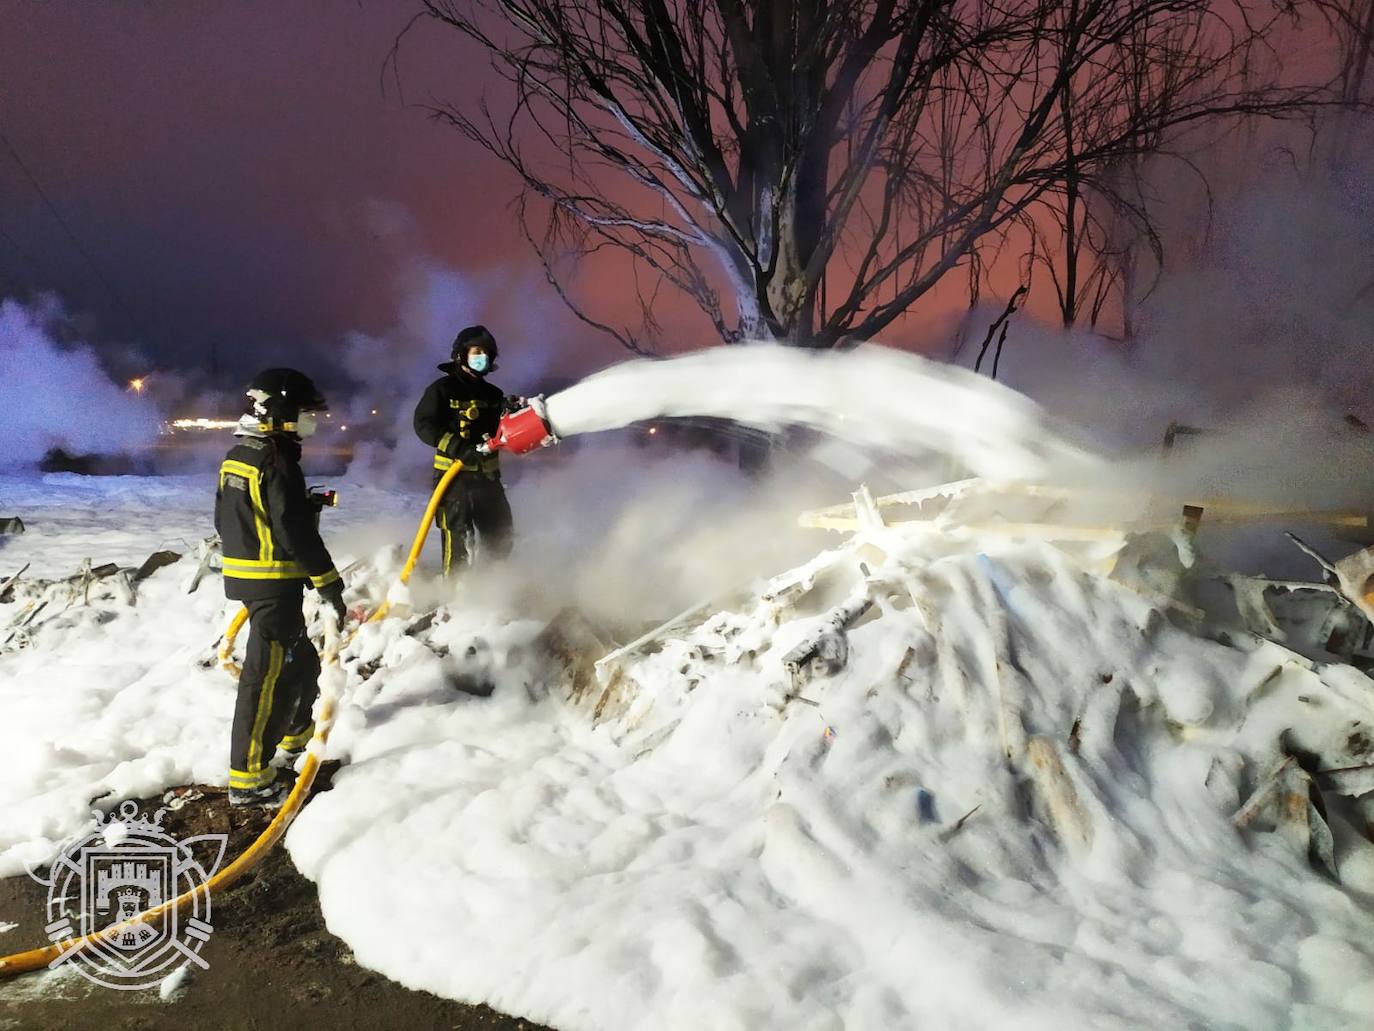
[
  {"x": 269, "y": 533},
  {"x": 455, "y": 415}
]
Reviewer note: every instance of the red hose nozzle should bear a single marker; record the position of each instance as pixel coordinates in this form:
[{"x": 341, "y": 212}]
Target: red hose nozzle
[{"x": 523, "y": 431}]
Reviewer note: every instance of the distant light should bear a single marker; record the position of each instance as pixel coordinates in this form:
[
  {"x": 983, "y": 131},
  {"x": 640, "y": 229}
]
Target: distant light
[
  {"x": 653, "y": 430},
  {"x": 204, "y": 424},
  {"x": 136, "y": 384},
  {"x": 374, "y": 411},
  {"x": 329, "y": 415},
  {"x": 344, "y": 428}
]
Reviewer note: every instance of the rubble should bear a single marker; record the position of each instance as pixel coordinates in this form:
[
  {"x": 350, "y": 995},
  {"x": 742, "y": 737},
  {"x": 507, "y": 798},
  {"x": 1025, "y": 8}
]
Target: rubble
[
  {"x": 795, "y": 630},
  {"x": 107, "y": 584}
]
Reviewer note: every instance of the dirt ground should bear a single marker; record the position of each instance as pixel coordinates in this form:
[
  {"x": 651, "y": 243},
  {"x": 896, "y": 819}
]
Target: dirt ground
[{"x": 271, "y": 962}]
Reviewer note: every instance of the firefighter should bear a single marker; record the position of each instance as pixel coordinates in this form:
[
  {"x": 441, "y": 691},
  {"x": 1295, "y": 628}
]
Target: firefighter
[
  {"x": 269, "y": 533},
  {"x": 456, "y": 413}
]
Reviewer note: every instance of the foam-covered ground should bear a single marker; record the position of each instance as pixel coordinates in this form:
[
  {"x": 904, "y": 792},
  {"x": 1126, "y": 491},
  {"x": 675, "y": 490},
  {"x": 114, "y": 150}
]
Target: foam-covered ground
[
  {"x": 109, "y": 699},
  {"x": 1013, "y": 806}
]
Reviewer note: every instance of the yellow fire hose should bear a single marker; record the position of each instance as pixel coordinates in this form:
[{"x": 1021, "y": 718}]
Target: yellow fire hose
[
  {"x": 226, "y": 649},
  {"x": 37, "y": 959},
  {"x": 420, "y": 534}
]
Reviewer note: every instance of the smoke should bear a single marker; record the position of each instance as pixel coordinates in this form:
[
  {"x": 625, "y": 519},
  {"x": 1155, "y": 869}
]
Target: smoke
[
  {"x": 1260, "y": 350},
  {"x": 1233, "y": 431},
  {"x": 1257, "y": 353},
  {"x": 57, "y": 394},
  {"x": 539, "y": 351},
  {"x": 631, "y": 532}
]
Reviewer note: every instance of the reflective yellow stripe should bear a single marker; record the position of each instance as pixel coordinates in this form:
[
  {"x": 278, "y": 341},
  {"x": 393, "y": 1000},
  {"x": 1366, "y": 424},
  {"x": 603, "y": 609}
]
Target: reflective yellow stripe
[
  {"x": 255, "y": 569},
  {"x": 239, "y": 779},
  {"x": 233, "y": 465},
  {"x": 440, "y": 462},
  {"x": 260, "y": 519},
  {"x": 277, "y": 655},
  {"x": 443, "y": 442},
  {"x": 296, "y": 742},
  {"x": 253, "y": 563},
  {"x": 254, "y": 477},
  {"x": 325, "y": 579}
]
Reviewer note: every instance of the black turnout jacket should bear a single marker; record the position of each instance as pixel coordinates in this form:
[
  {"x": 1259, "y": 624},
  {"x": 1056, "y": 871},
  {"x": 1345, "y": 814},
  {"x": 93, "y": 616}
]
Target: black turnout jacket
[
  {"x": 269, "y": 530},
  {"x": 456, "y": 414}
]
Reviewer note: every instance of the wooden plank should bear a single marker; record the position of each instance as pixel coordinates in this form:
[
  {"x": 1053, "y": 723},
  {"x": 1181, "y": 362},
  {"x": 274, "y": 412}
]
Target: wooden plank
[{"x": 11, "y": 581}]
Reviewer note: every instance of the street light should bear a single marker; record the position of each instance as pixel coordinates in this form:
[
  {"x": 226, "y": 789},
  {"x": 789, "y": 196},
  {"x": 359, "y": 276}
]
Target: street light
[{"x": 136, "y": 384}]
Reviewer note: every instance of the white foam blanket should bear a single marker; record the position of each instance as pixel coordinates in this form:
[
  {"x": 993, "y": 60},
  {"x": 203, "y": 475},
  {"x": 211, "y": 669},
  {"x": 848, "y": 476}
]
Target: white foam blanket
[{"x": 716, "y": 856}]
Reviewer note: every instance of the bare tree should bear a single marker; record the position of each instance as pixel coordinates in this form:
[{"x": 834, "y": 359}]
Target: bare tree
[
  {"x": 1352, "y": 21},
  {"x": 1093, "y": 227},
  {"x": 1351, "y": 24},
  {"x": 805, "y": 170}
]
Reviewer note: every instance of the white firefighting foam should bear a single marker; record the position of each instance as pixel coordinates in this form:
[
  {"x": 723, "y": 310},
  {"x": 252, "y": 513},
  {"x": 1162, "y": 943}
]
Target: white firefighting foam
[{"x": 881, "y": 399}]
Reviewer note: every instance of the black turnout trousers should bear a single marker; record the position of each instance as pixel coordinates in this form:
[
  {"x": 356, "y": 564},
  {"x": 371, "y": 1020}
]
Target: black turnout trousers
[
  {"x": 474, "y": 504},
  {"x": 277, "y": 689}
]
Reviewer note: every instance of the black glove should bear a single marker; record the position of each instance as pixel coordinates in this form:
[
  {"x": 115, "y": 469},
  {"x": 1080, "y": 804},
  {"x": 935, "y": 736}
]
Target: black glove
[
  {"x": 465, "y": 451},
  {"x": 333, "y": 597},
  {"x": 514, "y": 403}
]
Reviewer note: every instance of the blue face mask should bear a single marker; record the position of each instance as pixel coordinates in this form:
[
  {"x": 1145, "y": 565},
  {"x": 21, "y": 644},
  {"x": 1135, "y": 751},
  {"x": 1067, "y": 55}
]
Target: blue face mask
[{"x": 478, "y": 362}]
